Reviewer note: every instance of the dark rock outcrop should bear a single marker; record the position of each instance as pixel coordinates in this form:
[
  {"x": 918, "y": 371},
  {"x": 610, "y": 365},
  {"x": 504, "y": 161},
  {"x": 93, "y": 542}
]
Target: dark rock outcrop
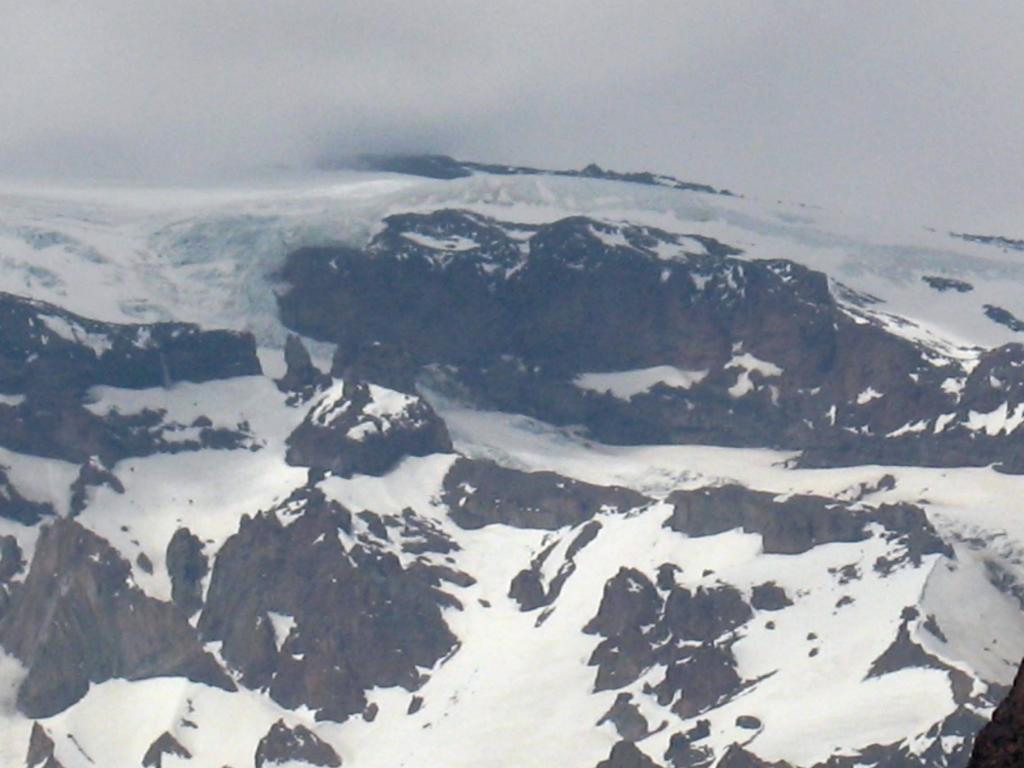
[
  {"x": 480, "y": 492},
  {"x": 11, "y": 561},
  {"x": 626, "y": 717},
  {"x": 769, "y": 597},
  {"x": 448, "y": 168},
  {"x": 40, "y": 750},
  {"x": 795, "y": 524},
  {"x": 625, "y": 754},
  {"x": 301, "y": 377},
  {"x": 366, "y": 429},
  {"x": 92, "y": 474},
  {"x": 528, "y": 587},
  {"x": 1004, "y": 317},
  {"x": 78, "y": 619},
  {"x": 47, "y": 348},
  {"x": 942, "y": 284},
  {"x": 187, "y": 565},
  {"x": 737, "y": 757},
  {"x": 775, "y": 357},
  {"x": 319, "y": 621},
  {"x": 687, "y": 632},
  {"x": 284, "y": 745},
  {"x": 165, "y": 744},
  {"x": 51, "y": 358},
  {"x": 1001, "y": 742}
]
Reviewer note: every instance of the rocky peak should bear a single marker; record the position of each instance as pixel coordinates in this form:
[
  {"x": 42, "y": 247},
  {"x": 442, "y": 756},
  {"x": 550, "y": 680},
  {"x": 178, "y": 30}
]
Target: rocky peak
[
  {"x": 284, "y": 746},
  {"x": 359, "y": 427},
  {"x": 78, "y": 619},
  {"x": 304, "y": 607},
  {"x": 1001, "y": 742},
  {"x": 41, "y": 750},
  {"x": 302, "y": 378},
  {"x": 164, "y": 745}
]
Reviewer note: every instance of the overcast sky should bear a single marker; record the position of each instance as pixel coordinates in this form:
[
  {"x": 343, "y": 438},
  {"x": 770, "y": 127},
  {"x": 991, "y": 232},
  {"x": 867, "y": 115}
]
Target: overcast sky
[{"x": 915, "y": 107}]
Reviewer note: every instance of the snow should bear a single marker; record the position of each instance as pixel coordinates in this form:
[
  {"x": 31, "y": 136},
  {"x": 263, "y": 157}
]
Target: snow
[
  {"x": 868, "y": 395},
  {"x": 229, "y": 725},
  {"x": 99, "y": 343},
  {"x": 1000, "y": 420},
  {"x": 627, "y": 384},
  {"x": 387, "y": 404},
  {"x": 282, "y": 625},
  {"x": 40, "y": 479},
  {"x": 203, "y": 491},
  {"x": 909, "y": 428},
  {"x": 748, "y": 364},
  {"x": 452, "y": 243}
]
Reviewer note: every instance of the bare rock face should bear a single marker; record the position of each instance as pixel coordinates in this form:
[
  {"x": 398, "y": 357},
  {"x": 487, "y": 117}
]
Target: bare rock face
[
  {"x": 92, "y": 474},
  {"x": 785, "y": 360},
  {"x": 50, "y": 358},
  {"x": 737, "y": 757},
  {"x": 40, "y": 750},
  {"x": 687, "y": 632},
  {"x": 11, "y": 561},
  {"x": 364, "y": 428},
  {"x": 317, "y": 617},
  {"x": 78, "y": 619},
  {"x": 1001, "y": 742},
  {"x": 798, "y": 523},
  {"x": 46, "y": 347},
  {"x": 625, "y": 754},
  {"x": 769, "y": 597},
  {"x": 480, "y": 493},
  {"x": 301, "y": 377},
  {"x": 165, "y": 744},
  {"x": 285, "y": 746},
  {"x": 626, "y": 717},
  {"x": 187, "y": 565}
]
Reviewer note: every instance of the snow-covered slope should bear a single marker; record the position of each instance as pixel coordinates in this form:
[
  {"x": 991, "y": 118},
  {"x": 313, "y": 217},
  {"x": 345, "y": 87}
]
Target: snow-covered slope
[{"x": 486, "y": 519}]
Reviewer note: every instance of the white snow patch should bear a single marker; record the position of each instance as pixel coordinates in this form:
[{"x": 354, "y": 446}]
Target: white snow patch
[
  {"x": 868, "y": 395},
  {"x": 452, "y": 243},
  {"x": 283, "y": 624},
  {"x": 627, "y": 384},
  {"x": 748, "y": 364},
  {"x": 97, "y": 342},
  {"x": 997, "y": 421}
]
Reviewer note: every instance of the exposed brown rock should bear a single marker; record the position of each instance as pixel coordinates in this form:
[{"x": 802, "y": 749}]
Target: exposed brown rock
[
  {"x": 299, "y": 744},
  {"x": 301, "y": 377},
  {"x": 353, "y": 433},
  {"x": 769, "y": 597},
  {"x": 480, "y": 493},
  {"x": 625, "y": 754},
  {"x": 1001, "y": 742},
  {"x": 40, "y": 750},
  {"x": 11, "y": 561},
  {"x": 187, "y": 566},
  {"x": 626, "y": 717},
  {"x": 360, "y": 620},
  {"x": 78, "y": 619}
]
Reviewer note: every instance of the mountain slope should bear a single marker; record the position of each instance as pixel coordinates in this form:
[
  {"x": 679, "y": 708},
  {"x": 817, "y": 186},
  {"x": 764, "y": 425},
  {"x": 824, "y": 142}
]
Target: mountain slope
[{"x": 507, "y": 467}]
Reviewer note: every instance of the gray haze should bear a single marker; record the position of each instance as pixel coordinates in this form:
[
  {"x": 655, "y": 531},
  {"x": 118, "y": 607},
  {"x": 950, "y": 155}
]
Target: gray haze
[{"x": 914, "y": 107}]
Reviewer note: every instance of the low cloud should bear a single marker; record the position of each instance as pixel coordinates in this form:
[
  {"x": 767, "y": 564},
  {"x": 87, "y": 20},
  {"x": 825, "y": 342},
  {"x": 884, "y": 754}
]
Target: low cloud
[{"x": 911, "y": 108}]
